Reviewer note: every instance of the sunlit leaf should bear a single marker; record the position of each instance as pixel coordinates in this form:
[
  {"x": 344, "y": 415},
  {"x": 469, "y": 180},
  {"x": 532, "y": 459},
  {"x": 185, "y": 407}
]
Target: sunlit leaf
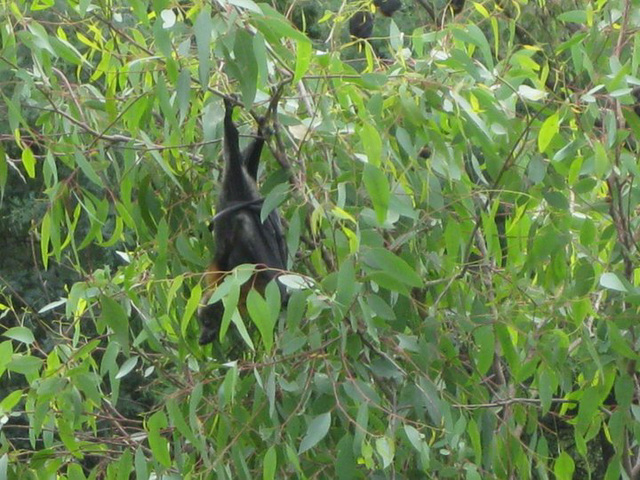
[
  {"x": 29, "y": 162},
  {"x": 611, "y": 281},
  {"x": 531, "y": 93},
  {"x": 20, "y": 334},
  {"x": 550, "y": 127},
  {"x": 564, "y": 467},
  {"x": 127, "y": 366},
  {"x": 270, "y": 464}
]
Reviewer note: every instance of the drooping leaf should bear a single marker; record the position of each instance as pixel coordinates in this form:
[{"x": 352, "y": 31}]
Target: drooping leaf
[
  {"x": 550, "y": 128},
  {"x": 378, "y": 188},
  {"x": 159, "y": 445},
  {"x": 316, "y": 431}
]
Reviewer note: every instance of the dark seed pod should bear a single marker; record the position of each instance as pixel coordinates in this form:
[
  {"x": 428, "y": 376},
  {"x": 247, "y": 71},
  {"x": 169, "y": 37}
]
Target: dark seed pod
[
  {"x": 457, "y": 6},
  {"x": 361, "y": 25},
  {"x": 388, "y": 7},
  {"x": 425, "y": 152}
]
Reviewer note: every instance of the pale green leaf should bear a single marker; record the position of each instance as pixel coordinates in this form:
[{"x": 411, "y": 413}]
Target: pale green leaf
[
  {"x": 316, "y": 431},
  {"x": 611, "y": 281},
  {"x": 20, "y": 334}
]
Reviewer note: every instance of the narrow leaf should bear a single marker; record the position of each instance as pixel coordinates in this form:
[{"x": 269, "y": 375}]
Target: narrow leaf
[
  {"x": 378, "y": 188},
  {"x": 550, "y": 127}
]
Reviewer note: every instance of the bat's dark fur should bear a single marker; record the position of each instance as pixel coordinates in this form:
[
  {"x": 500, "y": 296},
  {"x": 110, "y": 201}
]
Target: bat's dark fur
[{"x": 239, "y": 234}]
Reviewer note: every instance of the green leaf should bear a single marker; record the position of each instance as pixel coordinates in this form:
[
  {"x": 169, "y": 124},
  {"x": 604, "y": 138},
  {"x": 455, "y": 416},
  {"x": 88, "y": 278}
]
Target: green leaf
[
  {"x": 371, "y": 143},
  {"x": 475, "y": 36},
  {"x": 602, "y": 164},
  {"x": 176, "y": 418},
  {"x": 67, "y": 51},
  {"x": 585, "y": 277},
  {"x": 485, "y": 341},
  {"x": 316, "y": 431},
  {"x": 124, "y": 466},
  {"x": 159, "y": 445},
  {"x": 230, "y": 384},
  {"x": 87, "y": 169},
  {"x": 531, "y": 93},
  {"x": 66, "y": 434},
  {"x": 588, "y": 232},
  {"x": 45, "y": 236},
  {"x": 386, "y": 449},
  {"x": 564, "y": 467},
  {"x": 273, "y": 299},
  {"x": 273, "y": 25},
  {"x": 377, "y": 185},
  {"x": 573, "y": 16},
  {"x": 619, "y": 343},
  {"x": 262, "y": 59},
  {"x": 624, "y": 390},
  {"x": 162, "y": 38},
  {"x": 4, "y": 167},
  {"x": 611, "y": 281},
  {"x": 160, "y": 160},
  {"x": 347, "y": 285},
  {"x": 393, "y": 265},
  {"x": 21, "y": 334},
  {"x": 270, "y": 464},
  {"x": 304, "y": 52},
  {"x": 126, "y": 367},
  {"x": 140, "y": 463},
  {"x": 203, "y": 28},
  {"x": 247, "y": 5},
  {"x": 474, "y": 435},
  {"x": 380, "y": 307},
  {"x": 40, "y": 37},
  {"x": 550, "y": 127},
  {"x": 547, "y": 385},
  {"x": 29, "y": 162},
  {"x": 415, "y": 437},
  {"x": 24, "y": 364},
  {"x": 362, "y": 423},
  {"x": 6, "y": 351},
  {"x": 10, "y": 401},
  {"x": 274, "y": 198},
  {"x": 469, "y": 111},
  {"x": 346, "y": 464},
  {"x": 245, "y": 67},
  {"x": 116, "y": 318},
  {"x": 453, "y": 239},
  {"x": 260, "y": 313},
  {"x": 4, "y": 462},
  {"x": 190, "y": 309},
  {"x": 164, "y": 100},
  {"x": 194, "y": 402},
  {"x": 230, "y": 301},
  {"x": 108, "y": 363},
  {"x": 557, "y": 200},
  {"x": 183, "y": 92},
  {"x": 176, "y": 283}
]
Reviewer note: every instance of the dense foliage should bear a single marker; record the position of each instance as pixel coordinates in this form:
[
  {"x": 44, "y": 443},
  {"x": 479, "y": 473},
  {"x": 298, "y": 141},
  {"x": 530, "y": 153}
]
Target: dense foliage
[{"x": 461, "y": 204}]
